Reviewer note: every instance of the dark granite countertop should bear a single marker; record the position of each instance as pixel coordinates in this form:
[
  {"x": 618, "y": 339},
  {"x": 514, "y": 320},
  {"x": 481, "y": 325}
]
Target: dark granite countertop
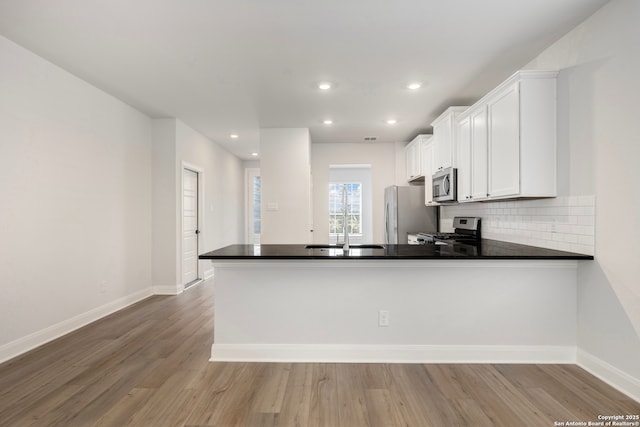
[{"x": 486, "y": 249}]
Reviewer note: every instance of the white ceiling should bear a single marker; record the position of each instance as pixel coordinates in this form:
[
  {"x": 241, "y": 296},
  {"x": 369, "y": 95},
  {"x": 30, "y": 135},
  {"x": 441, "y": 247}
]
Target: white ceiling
[{"x": 235, "y": 66}]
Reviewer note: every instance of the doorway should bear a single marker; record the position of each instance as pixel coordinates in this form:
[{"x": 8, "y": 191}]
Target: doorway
[{"x": 190, "y": 226}]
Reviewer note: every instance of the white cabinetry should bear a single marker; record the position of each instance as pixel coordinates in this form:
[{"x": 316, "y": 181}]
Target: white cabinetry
[
  {"x": 472, "y": 154},
  {"x": 463, "y": 152},
  {"x": 427, "y": 170},
  {"x": 414, "y": 159},
  {"x": 412, "y": 153},
  {"x": 521, "y": 123},
  {"x": 507, "y": 141},
  {"x": 444, "y": 136},
  {"x": 479, "y": 141},
  {"x": 504, "y": 148}
]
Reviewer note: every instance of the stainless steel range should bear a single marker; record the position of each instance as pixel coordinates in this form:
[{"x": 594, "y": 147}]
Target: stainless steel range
[{"x": 466, "y": 230}]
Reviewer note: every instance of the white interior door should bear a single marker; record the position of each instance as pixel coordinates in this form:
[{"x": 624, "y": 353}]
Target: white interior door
[{"x": 189, "y": 226}]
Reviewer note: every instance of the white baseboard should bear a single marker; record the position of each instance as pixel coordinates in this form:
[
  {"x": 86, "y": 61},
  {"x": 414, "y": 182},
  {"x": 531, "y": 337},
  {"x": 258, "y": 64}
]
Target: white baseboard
[
  {"x": 36, "y": 339},
  {"x": 333, "y": 353},
  {"x": 610, "y": 374},
  {"x": 208, "y": 274},
  {"x": 167, "y": 290}
]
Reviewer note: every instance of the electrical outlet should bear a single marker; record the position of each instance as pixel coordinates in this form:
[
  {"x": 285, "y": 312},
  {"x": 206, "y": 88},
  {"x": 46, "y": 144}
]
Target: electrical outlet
[
  {"x": 384, "y": 318},
  {"x": 103, "y": 287}
]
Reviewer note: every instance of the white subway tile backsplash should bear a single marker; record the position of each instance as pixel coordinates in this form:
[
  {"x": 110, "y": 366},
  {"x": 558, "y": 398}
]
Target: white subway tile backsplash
[
  {"x": 587, "y": 201},
  {"x": 571, "y": 238},
  {"x": 564, "y": 223},
  {"x": 585, "y": 220}
]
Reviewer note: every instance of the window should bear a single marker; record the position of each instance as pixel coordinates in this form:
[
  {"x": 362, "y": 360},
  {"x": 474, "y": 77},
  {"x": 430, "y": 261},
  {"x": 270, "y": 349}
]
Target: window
[
  {"x": 354, "y": 208},
  {"x": 252, "y": 206},
  {"x": 256, "y": 205}
]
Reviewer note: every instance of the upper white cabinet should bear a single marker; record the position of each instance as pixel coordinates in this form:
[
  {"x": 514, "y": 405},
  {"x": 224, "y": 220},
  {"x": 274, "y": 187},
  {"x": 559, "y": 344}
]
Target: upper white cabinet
[
  {"x": 412, "y": 155},
  {"x": 444, "y": 136},
  {"x": 472, "y": 154},
  {"x": 414, "y": 158},
  {"x": 463, "y": 153},
  {"x": 479, "y": 161},
  {"x": 521, "y": 123},
  {"x": 505, "y": 140},
  {"x": 507, "y": 143},
  {"x": 427, "y": 170}
]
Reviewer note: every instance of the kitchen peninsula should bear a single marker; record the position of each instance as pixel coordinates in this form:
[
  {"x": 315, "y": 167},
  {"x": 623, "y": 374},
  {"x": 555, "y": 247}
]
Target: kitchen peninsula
[{"x": 494, "y": 302}]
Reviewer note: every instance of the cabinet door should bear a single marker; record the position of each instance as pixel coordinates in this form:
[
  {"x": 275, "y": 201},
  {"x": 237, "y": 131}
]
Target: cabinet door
[
  {"x": 464, "y": 159},
  {"x": 412, "y": 159},
  {"x": 504, "y": 143},
  {"x": 408, "y": 161},
  {"x": 427, "y": 169},
  {"x": 444, "y": 137},
  {"x": 425, "y": 164},
  {"x": 479, "y": 153}
]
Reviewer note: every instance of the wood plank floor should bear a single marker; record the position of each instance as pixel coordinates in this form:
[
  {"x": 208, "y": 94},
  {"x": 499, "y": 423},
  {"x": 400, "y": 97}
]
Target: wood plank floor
[{"x": 148, "y": 365}]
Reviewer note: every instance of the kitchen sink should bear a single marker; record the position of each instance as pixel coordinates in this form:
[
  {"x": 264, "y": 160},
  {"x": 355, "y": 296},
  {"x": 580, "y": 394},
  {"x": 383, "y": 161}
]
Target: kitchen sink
[{"x": 340, "y": 247}]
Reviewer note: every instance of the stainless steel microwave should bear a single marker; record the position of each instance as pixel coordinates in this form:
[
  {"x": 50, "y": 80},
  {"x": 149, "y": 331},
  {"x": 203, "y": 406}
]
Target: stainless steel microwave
[{"x": 445, "y": 188}]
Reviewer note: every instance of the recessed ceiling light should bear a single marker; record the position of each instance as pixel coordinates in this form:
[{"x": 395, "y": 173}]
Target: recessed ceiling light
[
  {"x": 392, "y": 121},
  {"x": 327, "y": 122},
  {"x": 414, "y": 86},
  {"x": 234, "y": 136},
  {"x": 324, "y": 86},
  {"x": 254, "y": 154}
]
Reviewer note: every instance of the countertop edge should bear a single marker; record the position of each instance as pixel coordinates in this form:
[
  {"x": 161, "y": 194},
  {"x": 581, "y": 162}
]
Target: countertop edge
[
  {"x": 392, "y": 258},
  {"x": 495, "y": 250}
]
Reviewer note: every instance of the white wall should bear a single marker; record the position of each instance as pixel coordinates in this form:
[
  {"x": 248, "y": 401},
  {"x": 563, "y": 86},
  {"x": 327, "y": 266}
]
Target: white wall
[
  {"x": 251, "y": 164},
  {"x": 401, "y": 164},
  {"x": 285, "y": 185},
  {"x": 223, "y": 188},
  {"x": 446, "y": 311},
  {"x": 598, "y": 93},
  {"x": 75, "y": 202},
  {"x": 175, "y": 145},
  {"x": 165, "y": 218},
  {"x": 380, "y": 156},
  {"x": 91, "y": 192}
]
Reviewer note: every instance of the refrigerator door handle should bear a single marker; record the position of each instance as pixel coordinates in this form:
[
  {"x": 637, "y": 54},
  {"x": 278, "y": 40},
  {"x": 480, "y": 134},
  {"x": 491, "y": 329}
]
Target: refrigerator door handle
[{"x": 386, "y": 223}]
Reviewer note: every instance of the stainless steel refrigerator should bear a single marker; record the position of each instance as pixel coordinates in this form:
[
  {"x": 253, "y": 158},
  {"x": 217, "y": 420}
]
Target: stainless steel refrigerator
[{"x": 405, "y": 212}]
